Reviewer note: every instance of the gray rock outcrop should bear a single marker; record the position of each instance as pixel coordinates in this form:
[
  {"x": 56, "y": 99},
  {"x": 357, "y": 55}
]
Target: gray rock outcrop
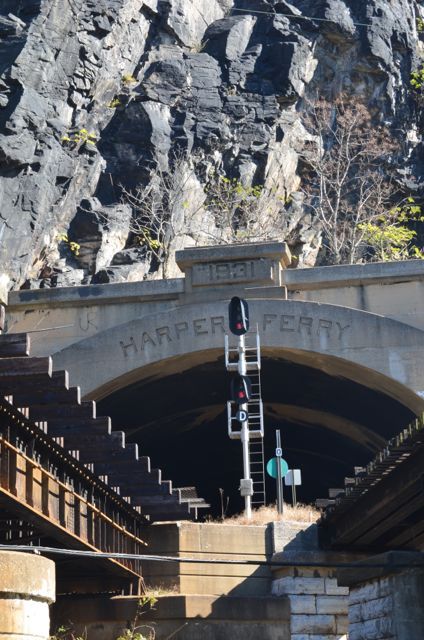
[{"x": 95, "y": 95}]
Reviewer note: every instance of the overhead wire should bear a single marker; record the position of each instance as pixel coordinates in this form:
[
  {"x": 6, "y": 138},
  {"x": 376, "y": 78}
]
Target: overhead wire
[{"x": 98, "y": 555}]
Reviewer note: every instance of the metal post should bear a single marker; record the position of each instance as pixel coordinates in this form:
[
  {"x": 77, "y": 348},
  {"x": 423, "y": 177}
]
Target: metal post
[
  {"x": 242, "y": 369},
  {"x": 246, "y": 463},
  {"x": 293, "y": 488},
  {"x": 280, "y": 500}
]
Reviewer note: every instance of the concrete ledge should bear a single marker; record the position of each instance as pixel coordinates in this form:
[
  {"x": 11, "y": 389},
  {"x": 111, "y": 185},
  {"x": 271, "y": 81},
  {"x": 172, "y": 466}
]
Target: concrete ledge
[
  {"x": 354, "y": 275},
  {"x": 83, "y": 609},
  {"x": 105, "y": 293},
  {"x": 316, "y": 557}
]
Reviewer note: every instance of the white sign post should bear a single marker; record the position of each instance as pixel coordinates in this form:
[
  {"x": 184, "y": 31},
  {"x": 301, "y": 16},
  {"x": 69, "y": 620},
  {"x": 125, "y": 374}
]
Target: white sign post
[
  {"x": 279, "y": 453},
  {"x": 292, "y": 479}
]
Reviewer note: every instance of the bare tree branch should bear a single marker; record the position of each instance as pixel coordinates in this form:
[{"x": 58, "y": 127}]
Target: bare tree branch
[
  {"x": 349, "y": 180},
  {"x": 188, "y": 199}
]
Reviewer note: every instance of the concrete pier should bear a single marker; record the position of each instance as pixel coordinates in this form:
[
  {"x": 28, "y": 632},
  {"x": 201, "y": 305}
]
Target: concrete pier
[{"x": 27, "y": 588}]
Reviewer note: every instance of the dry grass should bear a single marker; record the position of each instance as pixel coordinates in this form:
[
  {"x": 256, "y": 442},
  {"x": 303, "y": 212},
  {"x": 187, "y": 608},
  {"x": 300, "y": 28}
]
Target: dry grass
[
  {"x": 264, "y": 515},
  {"x": 161, "y": 590}
]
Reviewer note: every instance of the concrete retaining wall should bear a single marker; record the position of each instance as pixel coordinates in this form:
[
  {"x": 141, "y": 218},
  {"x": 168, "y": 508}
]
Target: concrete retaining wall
[
  {"x": 209, "y": 602},
  {"x": 180, "y": 617},
  {"x": 207, "y": 542},
  {"x": 27, "y": 587}
]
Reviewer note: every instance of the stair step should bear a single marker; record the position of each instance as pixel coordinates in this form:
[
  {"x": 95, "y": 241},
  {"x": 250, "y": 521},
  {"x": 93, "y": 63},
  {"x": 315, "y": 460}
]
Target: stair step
[
  {"x": 34, "y": 381},
  {"x": 74, "y": 426},
  {"x": 25, "y": 366},
  {"x": 14, "y": 344},
  {"x": 140, "y": 478},
  {"x": 28, "y": 397},
  {"x": 62, "y": 411},
  {"x": 88, "y": 440},
  {"x": 112, "y": 453}
]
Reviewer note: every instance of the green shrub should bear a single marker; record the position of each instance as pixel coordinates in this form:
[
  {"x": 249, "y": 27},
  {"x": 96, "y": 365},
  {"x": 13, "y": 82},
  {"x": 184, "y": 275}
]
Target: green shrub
[
  {"x": 390, "y": 236},
  {"x": 79, "y": 138}
]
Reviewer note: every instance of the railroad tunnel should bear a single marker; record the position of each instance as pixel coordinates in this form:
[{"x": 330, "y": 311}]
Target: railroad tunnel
[
  {"x": 336, "y": 381},
  {"x": 329, "y": 421}
]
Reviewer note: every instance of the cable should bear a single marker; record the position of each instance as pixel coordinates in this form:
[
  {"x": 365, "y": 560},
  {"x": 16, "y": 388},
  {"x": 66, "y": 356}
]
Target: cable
[
  {"x": 300, "y": 17},
  {"x": 268, "y": 563}
]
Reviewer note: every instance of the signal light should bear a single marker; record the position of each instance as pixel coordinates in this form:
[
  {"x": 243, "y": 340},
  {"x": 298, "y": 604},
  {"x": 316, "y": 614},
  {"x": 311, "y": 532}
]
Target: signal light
[
  {"x": 238, "y": 312},
  {"x": 241, "y": 389}
]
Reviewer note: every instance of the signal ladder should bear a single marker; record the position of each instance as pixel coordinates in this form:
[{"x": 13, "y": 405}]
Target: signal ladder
[{"x": 252, "y": 354}]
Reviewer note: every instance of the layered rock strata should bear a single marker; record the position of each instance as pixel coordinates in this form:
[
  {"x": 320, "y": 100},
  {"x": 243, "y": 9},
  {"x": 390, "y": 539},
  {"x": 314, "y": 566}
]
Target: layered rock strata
[{"x": 99, "y": 98}]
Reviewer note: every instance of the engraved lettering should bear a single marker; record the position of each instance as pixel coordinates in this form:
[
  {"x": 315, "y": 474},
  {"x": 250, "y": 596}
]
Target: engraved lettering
[
  {"x": 180, "y": 327},
  {"x": 217, "y": 321},
  {"x": 306, "y": 322},
  {"x": 324, "y": 326},
  {"x": 163, "y": 332},
  {"x": 222, "y": 271},
  {"x": 341, "y": 329},
  {"x": 239, "y": 270},
  {"x": 89, "y": 321},
  {"x": 287, "y": 323},
  {"x": 146, "y": 339},
  {"x": 199, "y": 330},
  {"x": 242, "y": 270},
  {"x": 268, "y": 319},
  {"x": 130, "y": 345}
]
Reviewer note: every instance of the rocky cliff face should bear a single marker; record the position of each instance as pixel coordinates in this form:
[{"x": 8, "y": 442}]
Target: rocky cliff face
[{"x": 101, "y": 97}]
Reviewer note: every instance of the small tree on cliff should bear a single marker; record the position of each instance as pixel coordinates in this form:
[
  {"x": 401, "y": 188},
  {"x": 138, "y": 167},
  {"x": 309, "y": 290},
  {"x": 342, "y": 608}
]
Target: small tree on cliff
[
  {"x": 350, "y": 187},
  {"x": 210, "y": 207}
]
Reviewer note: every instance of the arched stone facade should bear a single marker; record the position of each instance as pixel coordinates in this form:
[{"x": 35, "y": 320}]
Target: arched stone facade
[{"x": 373, "y": 350}]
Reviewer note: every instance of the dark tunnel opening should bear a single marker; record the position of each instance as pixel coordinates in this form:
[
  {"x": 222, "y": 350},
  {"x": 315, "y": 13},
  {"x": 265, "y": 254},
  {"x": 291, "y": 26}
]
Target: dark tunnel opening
[{"x": 328, "y": 425}]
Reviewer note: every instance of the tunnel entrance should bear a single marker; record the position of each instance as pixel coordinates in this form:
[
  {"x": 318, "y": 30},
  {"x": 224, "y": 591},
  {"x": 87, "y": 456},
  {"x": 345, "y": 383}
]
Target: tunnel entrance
[{"x": 328, "y": 423}]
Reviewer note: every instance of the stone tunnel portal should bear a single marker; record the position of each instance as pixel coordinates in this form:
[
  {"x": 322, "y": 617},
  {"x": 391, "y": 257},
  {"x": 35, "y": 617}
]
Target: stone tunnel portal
[
  {"x": 336, "y": 381},
  {"x": 329, "y": 423},
  {"x": 341, "y": 371}
]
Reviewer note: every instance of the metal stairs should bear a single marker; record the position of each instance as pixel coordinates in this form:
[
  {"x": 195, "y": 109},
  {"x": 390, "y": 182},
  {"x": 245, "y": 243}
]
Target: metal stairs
[{"x": 45, "y": 398}]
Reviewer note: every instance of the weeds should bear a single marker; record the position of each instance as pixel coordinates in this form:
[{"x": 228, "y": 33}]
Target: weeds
[{"x": 267, "y": 514}]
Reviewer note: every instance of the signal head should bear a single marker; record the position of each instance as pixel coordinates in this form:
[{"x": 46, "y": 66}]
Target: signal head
[
  {"x": 241, "y": 389},
  {"x": 238, "y": 312}
]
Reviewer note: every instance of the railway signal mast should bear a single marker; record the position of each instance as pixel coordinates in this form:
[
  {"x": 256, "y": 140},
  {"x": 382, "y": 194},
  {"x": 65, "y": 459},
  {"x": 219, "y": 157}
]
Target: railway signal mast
[{"x": 244, "y": 410}]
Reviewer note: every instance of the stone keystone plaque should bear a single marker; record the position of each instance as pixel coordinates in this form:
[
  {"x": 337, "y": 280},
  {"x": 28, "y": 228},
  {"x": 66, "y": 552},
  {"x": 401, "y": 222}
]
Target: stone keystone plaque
[{"x": 258, "y": 263}]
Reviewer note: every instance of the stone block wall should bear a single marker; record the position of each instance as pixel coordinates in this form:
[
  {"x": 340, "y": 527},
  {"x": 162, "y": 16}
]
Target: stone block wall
[
  {"x": 370, "y": 610},
  {"x": 386, "y": 602},
  {"x": 318, "y": 606}
]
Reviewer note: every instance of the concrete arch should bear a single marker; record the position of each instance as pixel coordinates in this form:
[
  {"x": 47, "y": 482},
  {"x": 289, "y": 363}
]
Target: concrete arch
[{"x": 373, "y": 350}]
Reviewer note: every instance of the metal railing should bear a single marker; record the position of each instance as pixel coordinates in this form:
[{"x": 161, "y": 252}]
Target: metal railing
[{"x": 48, "y": 490}]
